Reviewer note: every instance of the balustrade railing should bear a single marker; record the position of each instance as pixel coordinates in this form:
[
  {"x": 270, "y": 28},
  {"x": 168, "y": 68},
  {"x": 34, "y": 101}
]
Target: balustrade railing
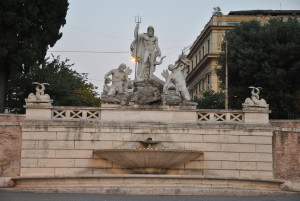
[
  {"x": 220, "y": 116},
  {"x": 213, "y": 116},
  {"x": 76, "y": 113}
]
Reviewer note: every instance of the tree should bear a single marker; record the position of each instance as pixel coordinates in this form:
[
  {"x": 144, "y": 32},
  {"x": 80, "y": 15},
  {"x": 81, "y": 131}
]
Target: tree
[
  {"x": 210, "y": 100},
  {"x": 87, "y": 95},
  {"x": 267, "y": 56},
  {"x": 67, "y": 87},
  {"x": 28, "y": 28}
]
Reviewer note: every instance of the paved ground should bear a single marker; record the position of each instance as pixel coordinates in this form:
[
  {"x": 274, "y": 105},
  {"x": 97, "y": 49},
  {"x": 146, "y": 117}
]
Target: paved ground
[{"x": 21, "y": 196}]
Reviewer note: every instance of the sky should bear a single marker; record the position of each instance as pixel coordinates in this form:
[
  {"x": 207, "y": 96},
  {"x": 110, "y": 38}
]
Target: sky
[{"x": 98, "y": 33}]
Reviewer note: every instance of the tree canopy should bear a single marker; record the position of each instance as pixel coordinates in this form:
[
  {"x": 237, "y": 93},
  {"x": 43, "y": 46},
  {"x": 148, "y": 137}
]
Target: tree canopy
[
  {"x": 67, "y": 87},
  {"x": 210, "y": 100},
  {"x": 28, "y": 28},
  {"x": 267, "y": 56}
]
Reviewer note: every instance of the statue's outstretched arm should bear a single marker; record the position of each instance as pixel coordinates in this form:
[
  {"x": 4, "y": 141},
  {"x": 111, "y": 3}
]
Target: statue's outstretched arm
[
  {"x": 108, "y": 74},
  {"x": 161, "y": 60},
  {"x": 136, "y": 31}
]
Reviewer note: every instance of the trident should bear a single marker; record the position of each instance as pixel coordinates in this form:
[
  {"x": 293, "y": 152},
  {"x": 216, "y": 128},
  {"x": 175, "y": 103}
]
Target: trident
[{"x": 138, "y": 20}]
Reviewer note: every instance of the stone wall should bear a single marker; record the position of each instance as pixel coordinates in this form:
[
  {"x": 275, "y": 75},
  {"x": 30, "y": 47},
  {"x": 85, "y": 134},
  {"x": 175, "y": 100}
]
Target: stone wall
[
  {"x": 10, "y": 146},
  {"x": 286, "y": 146},
  {"x": 66, "y": 147}
]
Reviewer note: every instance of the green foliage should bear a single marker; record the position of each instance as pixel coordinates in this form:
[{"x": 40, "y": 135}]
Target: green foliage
[
  {"x": 67, "y": 87},
  {"x": 210, "y": 100},
  {"x": 267, "y": 56},
  {"x": 28, "y": 28},
  {"x": 87, "y": 95}
]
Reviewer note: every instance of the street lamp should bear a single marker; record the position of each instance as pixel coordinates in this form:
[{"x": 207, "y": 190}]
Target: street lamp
[
  {"x": 226, "y": 78},
  {"x": 133, "y": 59}
]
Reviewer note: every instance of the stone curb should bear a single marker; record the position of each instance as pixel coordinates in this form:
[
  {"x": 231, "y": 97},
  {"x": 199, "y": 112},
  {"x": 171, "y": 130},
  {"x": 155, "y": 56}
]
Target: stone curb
[{"x": 139, "y": 190}]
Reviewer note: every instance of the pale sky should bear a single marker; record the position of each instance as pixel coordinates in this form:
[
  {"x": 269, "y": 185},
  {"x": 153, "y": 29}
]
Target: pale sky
[{"x": 97, "y": 26}]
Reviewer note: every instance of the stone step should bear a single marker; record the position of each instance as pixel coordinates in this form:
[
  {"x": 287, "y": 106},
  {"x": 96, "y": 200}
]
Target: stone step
[
  {"x": 153, "y": 190},
  {"x": 148, "y": 184}
]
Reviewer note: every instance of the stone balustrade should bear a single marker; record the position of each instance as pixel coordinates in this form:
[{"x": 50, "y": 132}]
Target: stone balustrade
[
  {"x": 76, "y": 113},
  {"x": 218, "y": 116},
  {"x": 171, "y": 114},
  {"x": 93, "y": 113},
  {"x": 90, "y": 113}
]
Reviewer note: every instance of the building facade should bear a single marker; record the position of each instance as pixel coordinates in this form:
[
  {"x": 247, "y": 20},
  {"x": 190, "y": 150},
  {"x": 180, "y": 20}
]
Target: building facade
[{"x": 204, "y": 51}]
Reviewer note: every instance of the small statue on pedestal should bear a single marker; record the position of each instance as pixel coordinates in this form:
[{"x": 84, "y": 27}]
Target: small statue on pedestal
[
  {"x": 40, "y": 93},
  {"x": 39, "y": 98},
  {"x": 254, "y": 100}
]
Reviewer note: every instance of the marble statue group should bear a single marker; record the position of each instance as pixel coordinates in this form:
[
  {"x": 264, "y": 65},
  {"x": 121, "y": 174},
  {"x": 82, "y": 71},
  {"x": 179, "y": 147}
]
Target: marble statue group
[{"x": 146, "y": 88}]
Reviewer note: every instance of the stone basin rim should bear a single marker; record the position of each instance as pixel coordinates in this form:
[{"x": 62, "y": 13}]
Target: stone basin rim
[{"x": 148, "y": 149}]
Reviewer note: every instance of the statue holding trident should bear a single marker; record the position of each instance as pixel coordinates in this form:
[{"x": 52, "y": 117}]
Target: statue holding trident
[{"x": 145, "y": 50}]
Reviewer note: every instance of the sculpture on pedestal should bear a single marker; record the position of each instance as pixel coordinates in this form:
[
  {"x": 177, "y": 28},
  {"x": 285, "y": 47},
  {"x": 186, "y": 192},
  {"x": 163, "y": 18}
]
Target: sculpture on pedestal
[
  {"x": 145, "y": 50},
  {"x": 175, "y": 91},
  {"x": 254, "y": 100},
  {"x": 121, "y": 85},
  {"x": 40, "y": 93},
  {"x": 147, "y": 89},
  {"x": 39, "y": 98},
  {"x": 120, "y": 80}
]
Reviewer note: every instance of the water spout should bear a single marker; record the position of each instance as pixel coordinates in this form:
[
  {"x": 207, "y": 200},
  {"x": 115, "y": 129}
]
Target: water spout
[{"x": 149, "y": 143}]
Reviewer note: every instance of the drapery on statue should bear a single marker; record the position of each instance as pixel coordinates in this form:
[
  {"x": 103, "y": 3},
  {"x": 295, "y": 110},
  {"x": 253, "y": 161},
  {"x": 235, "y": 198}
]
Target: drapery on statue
[{"x": 145, "y": 50}]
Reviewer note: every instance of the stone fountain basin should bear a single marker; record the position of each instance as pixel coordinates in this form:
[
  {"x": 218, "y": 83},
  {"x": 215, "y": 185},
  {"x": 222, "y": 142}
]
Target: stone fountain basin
[{"x": 148, "y": 158}]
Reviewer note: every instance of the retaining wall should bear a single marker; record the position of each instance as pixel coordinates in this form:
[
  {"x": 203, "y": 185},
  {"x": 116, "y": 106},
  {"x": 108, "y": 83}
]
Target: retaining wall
[
  {"x": 65, "y": 147},
  {"x": 286, "y": 146},
  {"x": 10, "y": 146},
  {"x": 234, "y": 144}
]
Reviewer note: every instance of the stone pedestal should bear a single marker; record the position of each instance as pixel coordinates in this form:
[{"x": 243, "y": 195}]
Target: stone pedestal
[
  {"x": 38, "y": 109},
  {"x": 256, "y": 114},
  {"x": 149, "y": 113}
]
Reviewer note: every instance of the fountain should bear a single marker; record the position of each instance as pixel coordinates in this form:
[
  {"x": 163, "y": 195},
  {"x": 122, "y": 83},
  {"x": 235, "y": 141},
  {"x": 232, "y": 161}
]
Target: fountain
[
  {"x": 146, "y": 127},
  {"x": 147, "y": 157},
  {"x": 147, "y": 90}
]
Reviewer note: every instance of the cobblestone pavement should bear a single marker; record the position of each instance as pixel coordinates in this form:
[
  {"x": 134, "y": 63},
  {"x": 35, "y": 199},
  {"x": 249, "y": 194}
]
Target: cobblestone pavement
[{"x": 22, "y": 196}]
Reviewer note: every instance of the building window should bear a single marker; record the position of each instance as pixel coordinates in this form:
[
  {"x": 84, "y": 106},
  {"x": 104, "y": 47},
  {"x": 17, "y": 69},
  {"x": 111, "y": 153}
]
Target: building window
[
  {"x": 208, "y": 81},
  {"x": 232, "y": 23},
  {"x": 202, "y": 85},
  {"x": 203, "y": 51},
  {"x": 208, "y": 46}
]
